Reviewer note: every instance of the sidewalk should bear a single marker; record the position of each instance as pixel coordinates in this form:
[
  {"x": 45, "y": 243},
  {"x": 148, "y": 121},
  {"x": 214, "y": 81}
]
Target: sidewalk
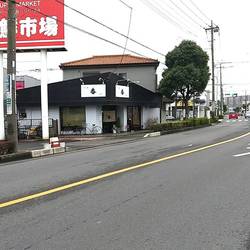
[
  {"x": 72, "y": 143},
  {"x": 75, "y": 142}
]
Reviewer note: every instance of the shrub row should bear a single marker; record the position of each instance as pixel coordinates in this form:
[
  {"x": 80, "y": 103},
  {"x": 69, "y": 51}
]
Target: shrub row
[
  {"x": 6, "y": 147},
  {"x": 173, "y": 125}
]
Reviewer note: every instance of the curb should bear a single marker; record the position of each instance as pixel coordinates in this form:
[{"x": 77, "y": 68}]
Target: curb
[
  {"x": 46, "y": 152},
  {"x": 15, "y": 157}
]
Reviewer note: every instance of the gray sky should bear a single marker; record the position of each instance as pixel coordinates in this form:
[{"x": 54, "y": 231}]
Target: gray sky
[{"x": 160, "y": 30}]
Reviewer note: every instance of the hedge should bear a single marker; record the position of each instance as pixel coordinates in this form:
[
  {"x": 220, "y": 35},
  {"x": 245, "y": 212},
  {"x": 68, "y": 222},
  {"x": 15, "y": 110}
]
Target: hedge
[
  {"x": 6, "y": 147},
  {"x": 174, "y": 125}
]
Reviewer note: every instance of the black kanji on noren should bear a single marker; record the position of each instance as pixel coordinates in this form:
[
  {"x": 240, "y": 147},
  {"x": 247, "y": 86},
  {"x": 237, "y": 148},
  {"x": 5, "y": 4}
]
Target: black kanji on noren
[
  {"x": 122, "y": 92},
  {"x": 92, "y": 91}
]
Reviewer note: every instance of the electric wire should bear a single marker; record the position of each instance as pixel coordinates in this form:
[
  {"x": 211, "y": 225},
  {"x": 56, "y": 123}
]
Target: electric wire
[
  {"x": 184, "y": 4},
  {"x": 126, "y": 42},
  {"x": 196, "y": 6},
  {"x": 175, "y": 16},
  {"x": 179, "y": 14},
  {"x": 83, "y": 31},
  {"x": 166, "y": 17},
  {"x": 109, "y": 28},
  {"x": 186, "y": 14}
]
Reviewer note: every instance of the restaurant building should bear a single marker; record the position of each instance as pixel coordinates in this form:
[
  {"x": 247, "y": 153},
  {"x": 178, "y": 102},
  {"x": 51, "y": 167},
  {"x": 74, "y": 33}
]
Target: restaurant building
[{"x": 93, "y": 104}]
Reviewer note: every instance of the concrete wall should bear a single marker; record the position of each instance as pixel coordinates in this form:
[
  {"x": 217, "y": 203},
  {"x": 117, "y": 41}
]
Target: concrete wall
[
  {"x": 144, "y": 76},
  {"x": 122, "y": 114},
  {"x": 150, "y": 114},
  {"x": 35, "y": 113},
  {"x": 93, "y": 115}
]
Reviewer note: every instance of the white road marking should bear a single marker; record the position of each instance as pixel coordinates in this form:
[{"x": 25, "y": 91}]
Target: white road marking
[{"x": 244, "y": 154}]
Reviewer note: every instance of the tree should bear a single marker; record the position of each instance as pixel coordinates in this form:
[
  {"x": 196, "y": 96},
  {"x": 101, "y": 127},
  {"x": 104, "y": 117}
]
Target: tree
[{"x": 187, "y": 72}]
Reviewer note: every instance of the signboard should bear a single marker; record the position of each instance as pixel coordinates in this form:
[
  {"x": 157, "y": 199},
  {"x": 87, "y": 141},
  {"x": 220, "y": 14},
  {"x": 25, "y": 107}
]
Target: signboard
[
  {"x": 8, "y": 95},
  {"x": 122, "y": 91},
  {"x": 20, "y": 85},
  {"x": 109, "y": 116},
  {"x": 93, "y": 90},
  {"x": 40, "y": 24}
]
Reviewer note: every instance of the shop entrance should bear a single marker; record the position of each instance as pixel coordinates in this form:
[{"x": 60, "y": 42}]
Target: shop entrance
[
  {"x": 134, "y": 118},
  {"x": 109, "y": 118}
]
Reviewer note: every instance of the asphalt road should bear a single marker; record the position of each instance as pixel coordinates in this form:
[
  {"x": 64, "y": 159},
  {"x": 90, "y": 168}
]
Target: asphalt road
[{"x": 196, "y": 201}]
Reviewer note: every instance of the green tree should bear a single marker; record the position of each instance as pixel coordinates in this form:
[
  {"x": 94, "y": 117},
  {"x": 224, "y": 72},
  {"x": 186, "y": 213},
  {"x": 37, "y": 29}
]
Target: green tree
[{"x": 187, "y": 72}]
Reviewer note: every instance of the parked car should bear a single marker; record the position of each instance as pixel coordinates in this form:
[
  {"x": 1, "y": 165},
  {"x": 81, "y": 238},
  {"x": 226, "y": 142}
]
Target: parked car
[
  {"x": 170, "y": 117},
  {"x": 247, "y": 115},
  {"x": 233, "y": 115}
]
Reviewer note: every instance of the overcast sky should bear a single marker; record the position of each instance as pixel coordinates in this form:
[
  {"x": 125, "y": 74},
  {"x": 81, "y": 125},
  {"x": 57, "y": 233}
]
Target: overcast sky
[{"x": 160, "y": 30}]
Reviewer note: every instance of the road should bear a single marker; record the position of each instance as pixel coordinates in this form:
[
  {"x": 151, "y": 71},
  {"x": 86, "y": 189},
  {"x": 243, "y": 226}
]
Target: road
[{"x": 196, "y": 199}]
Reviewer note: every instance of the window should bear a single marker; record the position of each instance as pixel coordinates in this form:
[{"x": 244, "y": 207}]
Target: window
[{"x": 72, "y": 117}]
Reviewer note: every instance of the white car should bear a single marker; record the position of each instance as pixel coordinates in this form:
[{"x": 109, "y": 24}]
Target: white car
[
  {"x": 247, "y": 115},
  {"x": 170, "y": 117}
]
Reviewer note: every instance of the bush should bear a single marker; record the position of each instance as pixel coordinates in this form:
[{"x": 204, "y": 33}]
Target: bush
[
  {"x": 151, "y": 122},
  {"x": 214, "y": 119},
  {"x": 174, "y": 125},
  {"x": 6, "y": 147}
]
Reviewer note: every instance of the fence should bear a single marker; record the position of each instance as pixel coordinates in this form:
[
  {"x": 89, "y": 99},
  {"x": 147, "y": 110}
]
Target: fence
[{"x": 32, "y": 128}]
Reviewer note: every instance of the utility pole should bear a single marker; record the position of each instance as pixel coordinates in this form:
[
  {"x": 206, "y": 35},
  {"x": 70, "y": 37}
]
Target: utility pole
[
  {"x": 11, "y": 71},
  {"x": 221, "y": 93},
  {"x": 212, "y": 30},
  {"x": 221, "y": 86},
  {"x": 245, "y": 101}
]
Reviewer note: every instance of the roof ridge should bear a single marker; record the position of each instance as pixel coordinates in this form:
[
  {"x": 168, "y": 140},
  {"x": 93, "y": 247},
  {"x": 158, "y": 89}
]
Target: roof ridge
[{"x": 111, "y": 59}]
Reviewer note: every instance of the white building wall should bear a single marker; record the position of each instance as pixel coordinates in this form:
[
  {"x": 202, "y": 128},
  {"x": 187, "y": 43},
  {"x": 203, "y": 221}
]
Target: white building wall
[
  {"x": 93, "y": 115},
  {"x": 122, "y": 114},
  {"x": 143, "y": 76},
  {"x": 54, "y": 113},
  {"x": 35, "y": 113},
  {"x": 150, "y": 114}
]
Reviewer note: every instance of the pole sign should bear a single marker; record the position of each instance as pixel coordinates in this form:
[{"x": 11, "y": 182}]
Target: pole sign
[
  {"x": 8, "y": 95},
  {"x": 40, "y": 24}
]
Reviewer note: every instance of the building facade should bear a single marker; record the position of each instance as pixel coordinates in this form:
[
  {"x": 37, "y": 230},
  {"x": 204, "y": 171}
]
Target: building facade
[
  {"x": 139, "y": 70},
  {"x": 97, "y": 103}
]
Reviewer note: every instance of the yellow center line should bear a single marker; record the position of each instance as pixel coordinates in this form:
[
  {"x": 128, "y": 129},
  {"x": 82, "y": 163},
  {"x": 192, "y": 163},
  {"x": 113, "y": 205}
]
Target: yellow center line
[{"x": 104, "y": 176}]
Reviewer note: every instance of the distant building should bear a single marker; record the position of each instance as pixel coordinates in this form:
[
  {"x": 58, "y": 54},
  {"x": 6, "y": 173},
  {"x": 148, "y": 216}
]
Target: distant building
[
  {"x": 24, "y": 81},
  {"x": 236, "y": 101}
]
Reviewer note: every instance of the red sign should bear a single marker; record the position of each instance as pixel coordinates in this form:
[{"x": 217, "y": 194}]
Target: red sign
[
  {"x": 20, "y": 85},
  {"x": 40, "y": 24}
]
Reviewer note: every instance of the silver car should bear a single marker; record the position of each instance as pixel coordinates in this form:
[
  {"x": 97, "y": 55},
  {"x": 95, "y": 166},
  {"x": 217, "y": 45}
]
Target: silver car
[{"x": 247, "y": 115}]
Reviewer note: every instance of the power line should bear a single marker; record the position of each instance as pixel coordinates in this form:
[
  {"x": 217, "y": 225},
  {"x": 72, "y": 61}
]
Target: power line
[
  {"x": 166, "y": 17},
  {"x": 83, "y": 31},
  {"x": 185, "y": 13},
  {"x": 109, "y": 28},
  {"x": 126, "y": 4},
  {"x": 200, "y": 10},
  {"x": 179, "y": 14},
  {"x": 192, "y": 12},
  {"x": 129, "y": 26},
  {"x": 179, "y": 18}
]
